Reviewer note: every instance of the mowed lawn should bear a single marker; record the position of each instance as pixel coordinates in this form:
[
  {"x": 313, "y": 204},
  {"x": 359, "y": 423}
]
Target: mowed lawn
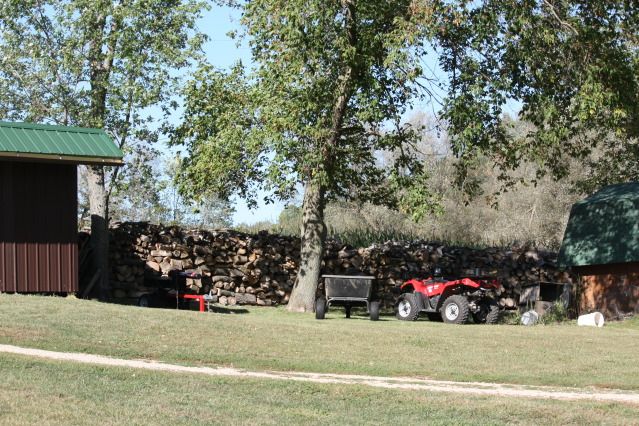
[
  {"x": 43, "y": 392},
  {"x": 274, "y": 339},
  {"x": 48, "y": 392}
]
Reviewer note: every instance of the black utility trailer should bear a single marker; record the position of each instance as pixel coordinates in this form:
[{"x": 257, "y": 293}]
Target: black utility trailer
[{"x": 347, "y": 291}]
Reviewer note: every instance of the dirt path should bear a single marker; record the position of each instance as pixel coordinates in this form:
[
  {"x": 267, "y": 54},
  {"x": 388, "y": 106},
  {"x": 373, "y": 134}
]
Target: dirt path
[{"x": 472, "y": 388}]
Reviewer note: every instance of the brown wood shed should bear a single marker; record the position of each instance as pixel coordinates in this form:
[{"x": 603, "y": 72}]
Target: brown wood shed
[
  {"x": 38, "y": 203},
  {"x": 601, "y": 245}
]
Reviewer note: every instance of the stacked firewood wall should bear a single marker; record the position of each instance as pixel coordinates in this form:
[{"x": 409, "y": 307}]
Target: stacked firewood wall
[{"x": 260, "y": 269}]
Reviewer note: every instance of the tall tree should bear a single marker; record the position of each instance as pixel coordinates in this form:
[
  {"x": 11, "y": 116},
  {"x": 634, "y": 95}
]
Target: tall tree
[
  {"x": 95, "y": 63},
  {"x": 572, "y": 67},
  {"x": 138, "y": 193},
  {"x": 213, "y": 213},
  {"x": 331, "y": 82}
]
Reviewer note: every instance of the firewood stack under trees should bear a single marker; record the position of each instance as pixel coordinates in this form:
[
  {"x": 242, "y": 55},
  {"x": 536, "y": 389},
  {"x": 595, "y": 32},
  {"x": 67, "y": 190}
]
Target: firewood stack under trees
[{"x": 260, "y": 269}]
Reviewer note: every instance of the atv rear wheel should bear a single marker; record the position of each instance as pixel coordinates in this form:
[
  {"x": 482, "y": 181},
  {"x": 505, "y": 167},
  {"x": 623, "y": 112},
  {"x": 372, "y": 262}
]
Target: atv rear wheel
[
  {"x": 455, "y": 309},
  {"x": 407, "y": 309},
  {"x": 493, "y": 315},
  {"x": 488, "y": 312}
]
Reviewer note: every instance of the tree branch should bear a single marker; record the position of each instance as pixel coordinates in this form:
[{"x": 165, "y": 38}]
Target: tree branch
[{"x": 554, "y": 13}]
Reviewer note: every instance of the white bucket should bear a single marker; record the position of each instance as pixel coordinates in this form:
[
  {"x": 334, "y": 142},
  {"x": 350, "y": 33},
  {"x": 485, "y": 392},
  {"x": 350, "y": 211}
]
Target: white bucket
[
  {"x": 595, "y": 319},
  {"x": 529, "y": 318}
]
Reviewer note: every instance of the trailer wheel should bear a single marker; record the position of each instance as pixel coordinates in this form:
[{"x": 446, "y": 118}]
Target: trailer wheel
[
  {"x": 455, "y": 309},
  {"x": 407, "y": 309},
  {"x": 347, "y": 309},
  {"x": 144, "y": 301},
  {"x": 320, "y": 308},
  {"x": 374, "y": 311}
]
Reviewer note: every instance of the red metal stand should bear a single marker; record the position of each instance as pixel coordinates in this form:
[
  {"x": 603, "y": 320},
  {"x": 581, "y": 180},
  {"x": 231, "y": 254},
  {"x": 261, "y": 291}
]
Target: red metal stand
[{"x": 198, "y": 297}]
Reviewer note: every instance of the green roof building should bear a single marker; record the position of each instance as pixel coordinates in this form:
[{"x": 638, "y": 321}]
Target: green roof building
[
  {"x": 601, "y": 244},
  {"x": 39, "y": 203},
  {"x": 41, "y": 142},
  {"x": 603, "y": 228}
]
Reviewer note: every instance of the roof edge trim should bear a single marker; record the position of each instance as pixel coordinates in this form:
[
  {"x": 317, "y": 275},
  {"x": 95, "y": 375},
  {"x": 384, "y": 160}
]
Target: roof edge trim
[
  {"x": 54, "y": 127},
  {"x": 106, "y": 161}
]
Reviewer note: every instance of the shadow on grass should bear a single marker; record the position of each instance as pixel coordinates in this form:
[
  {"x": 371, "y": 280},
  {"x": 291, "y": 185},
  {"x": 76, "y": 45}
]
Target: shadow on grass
[
  {"x": 225, "y": 310},
  {"x": 155, "y": 301},
  {"x": 356, "y": 318}
]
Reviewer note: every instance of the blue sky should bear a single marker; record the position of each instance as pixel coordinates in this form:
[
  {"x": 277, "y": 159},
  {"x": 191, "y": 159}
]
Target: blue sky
[{"x": 221, "y": 50}]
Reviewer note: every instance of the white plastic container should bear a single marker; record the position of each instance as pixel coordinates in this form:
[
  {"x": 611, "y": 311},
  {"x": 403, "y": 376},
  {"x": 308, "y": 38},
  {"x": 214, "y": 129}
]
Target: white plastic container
[
  {"x": 529, "y": 318},
  {"x": 595, "y": 319}
]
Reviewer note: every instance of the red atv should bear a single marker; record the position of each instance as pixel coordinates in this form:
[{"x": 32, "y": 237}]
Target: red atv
[{"x": 452, "y": 300}]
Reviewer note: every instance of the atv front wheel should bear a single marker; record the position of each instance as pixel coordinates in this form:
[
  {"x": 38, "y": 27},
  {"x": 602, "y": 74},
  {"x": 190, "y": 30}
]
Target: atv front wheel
[
  {"x": 455, "y": 309},
  {"x": 407, "y": 309}
]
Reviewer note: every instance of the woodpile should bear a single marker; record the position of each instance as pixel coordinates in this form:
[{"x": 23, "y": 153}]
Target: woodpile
[
  {"x": 243, "y": 269},
  {"x": 237, "y": 268}
]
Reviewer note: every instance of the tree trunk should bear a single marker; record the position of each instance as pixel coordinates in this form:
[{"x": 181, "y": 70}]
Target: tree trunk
[
  {"x": 313, "y": 227},
  {"x": 98, "y": 208},
  {"x": 313, "y": 235}
]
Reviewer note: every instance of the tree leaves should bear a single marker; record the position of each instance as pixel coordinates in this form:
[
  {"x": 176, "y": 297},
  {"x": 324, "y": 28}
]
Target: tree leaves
[
  {"x": 331, "y": 83},
  {"x": 95, "y": 63},
  {"x": 573, "y": 67}
]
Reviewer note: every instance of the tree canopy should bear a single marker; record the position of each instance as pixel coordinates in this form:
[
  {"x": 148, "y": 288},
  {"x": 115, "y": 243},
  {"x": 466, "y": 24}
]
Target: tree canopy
[{"x": 571, "y": 67}]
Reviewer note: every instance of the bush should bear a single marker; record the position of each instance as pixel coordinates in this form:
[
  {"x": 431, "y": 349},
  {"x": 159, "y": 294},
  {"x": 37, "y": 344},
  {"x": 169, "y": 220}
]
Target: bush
[{"x": 557, "y": 313}]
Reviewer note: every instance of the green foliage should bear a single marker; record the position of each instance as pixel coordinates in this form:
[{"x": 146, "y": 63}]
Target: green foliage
[
  {"x": 557, "y": 313},
  {"x": 525, "y": 214},
  {"x": 211, "y": 212},
  {"x": 290, "y": 220},
  {"x": 51, "y": 48},
  {"x": 510, "y": 317},
  {"x": 138, "y": 196},
  {"x": 257, "y": 227},
  {"x": 368, "y": 237},
  {"x": 573, "y": 66},
  {"x": 97, "y": 63},
  {"x": 331, "y": 83},
  {"x": 147, "y": 191}
]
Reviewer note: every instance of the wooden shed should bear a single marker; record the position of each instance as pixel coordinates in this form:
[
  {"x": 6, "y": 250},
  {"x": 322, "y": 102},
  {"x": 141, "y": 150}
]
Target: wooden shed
[
  {"x": 38, "y": 203},
  {"x": 601, "y": 245}
]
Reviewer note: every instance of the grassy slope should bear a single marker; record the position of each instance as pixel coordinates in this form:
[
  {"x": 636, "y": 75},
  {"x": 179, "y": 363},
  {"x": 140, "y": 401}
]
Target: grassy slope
[
  {"x": 275, "y": 339},
  {"x": 41, "y": 392}
]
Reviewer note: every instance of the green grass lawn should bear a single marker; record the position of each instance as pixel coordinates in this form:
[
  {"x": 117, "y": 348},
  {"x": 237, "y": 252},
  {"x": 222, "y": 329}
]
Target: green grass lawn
[
  {"x": 42, "y": 392},
  {"x": 273, "y": 339}
]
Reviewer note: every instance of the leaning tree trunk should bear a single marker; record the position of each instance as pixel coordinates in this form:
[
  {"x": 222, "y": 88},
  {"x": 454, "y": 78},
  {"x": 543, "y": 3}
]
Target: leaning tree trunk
[
  {"x": 313, "y": 235},
  {"x": 98, "y": 208}
]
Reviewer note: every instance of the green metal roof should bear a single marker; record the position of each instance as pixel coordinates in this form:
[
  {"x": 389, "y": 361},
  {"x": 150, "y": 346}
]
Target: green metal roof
[
  {"x": 603, "y": 228},
  {"x": 58, "y": 143}
]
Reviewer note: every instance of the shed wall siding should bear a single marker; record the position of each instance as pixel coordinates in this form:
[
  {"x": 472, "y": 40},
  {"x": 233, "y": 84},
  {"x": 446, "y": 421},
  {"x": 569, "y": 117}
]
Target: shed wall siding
[
  {"x": 38, "y": 227},
  {"x": 610, "y": 289}
]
